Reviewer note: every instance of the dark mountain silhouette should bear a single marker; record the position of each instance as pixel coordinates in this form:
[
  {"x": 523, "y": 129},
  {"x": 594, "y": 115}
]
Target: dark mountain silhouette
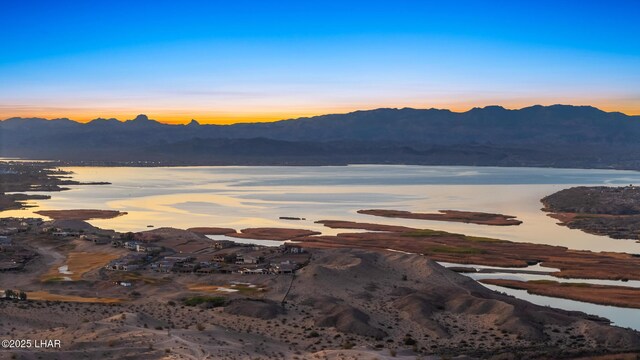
[{"x": 558, "y": 135}]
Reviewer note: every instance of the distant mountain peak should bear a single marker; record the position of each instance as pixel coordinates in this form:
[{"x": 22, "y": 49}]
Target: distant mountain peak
[
  {"x": 193, "y": 122},
  {"x": 143, "y": 120},
  {"x": 141, "y": 117},
  {"x": 488, "y": 108}
]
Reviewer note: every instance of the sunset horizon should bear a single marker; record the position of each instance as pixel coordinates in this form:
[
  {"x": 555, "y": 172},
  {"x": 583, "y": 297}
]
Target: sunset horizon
[
  {"x": 219, "y": 63},
  {"x": 249, "y": 119}
]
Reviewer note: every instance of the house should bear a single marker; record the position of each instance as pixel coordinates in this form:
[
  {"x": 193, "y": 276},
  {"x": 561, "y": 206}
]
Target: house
[
  {"x": 163, "y": 266},
  {"x": 206, "y": 270},
  {"x": 114, "y": 265},
  {"x": 148, "y": 248},
  {"x": 5, "y": 240},
  {"x": 250, "y": 259},
  {"x": 60, "y": 233},
  {"x": 8, "y": 231},
  {"x": 9, "y": 265},
  {"x": 206, "y": 267},
  {"x": 179, "y": 258},
  {"x": 186, "y": 267},
  {"x": 117, "y": 243},
  {"x": 130, "y": 262},
  {"x": 131, "y": 245},
  {"x": 293, "y": 249},
  {"x": 219, "y": 258},
  {"x": 246, "y": 271},
  {"x": 47, "y": 229},
  {"x": 130, "y": 267},
  {"x": 87, "y": 237},
  {"x": 222, "y": 244},
  {"x": 100, "y": 241},
  {"x": 283, "y": 268}
]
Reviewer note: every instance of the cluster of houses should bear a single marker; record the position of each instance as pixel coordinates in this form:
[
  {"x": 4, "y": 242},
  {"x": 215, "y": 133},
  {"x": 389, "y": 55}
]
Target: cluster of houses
[
  {"x": 129, "y": 262},
  {"x": 283, "y": 267},
  {"x": 98, "y": 240},
  {"x": 12, "y": 226},
  {"x": 223, "y": 257},
  {"x": 13, "y": 257},
  {"x": 137, "y": 246},
  {"x": 11, "y": 294}
]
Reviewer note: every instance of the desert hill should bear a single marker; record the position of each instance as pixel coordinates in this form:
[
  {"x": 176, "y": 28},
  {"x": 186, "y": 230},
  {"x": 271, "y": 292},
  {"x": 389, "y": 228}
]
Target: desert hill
[{"x": 347, "y": 304}]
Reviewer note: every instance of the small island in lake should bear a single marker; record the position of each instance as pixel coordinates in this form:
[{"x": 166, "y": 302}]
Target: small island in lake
[
  {"x": 80, "y": 214},
  {"x": 472, "y": 217},
  {"x": 598, "y": 210}
]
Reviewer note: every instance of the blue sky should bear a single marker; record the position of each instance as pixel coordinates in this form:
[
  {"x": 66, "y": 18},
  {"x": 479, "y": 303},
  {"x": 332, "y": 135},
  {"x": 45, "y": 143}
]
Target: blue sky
[{"x": 223, "y": 61}]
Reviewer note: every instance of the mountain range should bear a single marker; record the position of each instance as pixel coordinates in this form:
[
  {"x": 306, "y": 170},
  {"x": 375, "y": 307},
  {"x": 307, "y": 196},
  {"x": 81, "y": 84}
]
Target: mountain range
[{"x": 550, "y": 136}]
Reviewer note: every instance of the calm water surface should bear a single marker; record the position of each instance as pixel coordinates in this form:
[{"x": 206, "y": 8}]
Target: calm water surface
[{"x": 257, "y": 196}]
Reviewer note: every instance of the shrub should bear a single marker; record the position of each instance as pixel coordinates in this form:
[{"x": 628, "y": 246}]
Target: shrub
[
  {"x": 409, "y": 341},
  {"x": 212, "y": 301}
]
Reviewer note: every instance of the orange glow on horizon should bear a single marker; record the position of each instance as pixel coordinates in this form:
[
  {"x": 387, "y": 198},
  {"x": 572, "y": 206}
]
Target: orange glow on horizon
[{"x": 229, "y": 117}]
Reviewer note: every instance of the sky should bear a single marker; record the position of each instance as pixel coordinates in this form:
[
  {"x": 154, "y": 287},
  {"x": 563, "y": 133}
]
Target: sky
[{"x": 246, "y": 61}]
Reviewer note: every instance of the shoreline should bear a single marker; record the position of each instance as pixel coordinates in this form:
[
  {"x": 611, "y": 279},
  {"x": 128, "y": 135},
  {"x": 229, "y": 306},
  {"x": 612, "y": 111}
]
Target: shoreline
[
  {"x": 597, "y": 210},
  {"x": 19, "y": 178},
  {"x": 618, "y": 296},
  {"x": 145, "y": 163}
]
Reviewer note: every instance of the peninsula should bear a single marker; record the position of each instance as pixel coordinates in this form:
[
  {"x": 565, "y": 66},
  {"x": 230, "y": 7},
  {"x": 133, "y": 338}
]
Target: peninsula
[{"x": 599, "y": 210}]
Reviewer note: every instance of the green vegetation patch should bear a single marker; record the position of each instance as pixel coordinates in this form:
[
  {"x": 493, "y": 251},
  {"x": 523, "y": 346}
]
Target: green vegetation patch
[
  {"x": 213, "y": 301},
  {"x": 483, "y": 239},
  {"x": 428, "y": 232},
  {"x": 136, "y": 276},
  {"x": 565, "y": 284}
]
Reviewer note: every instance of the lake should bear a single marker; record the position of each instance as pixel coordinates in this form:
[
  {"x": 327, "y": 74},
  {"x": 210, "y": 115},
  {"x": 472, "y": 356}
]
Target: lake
[{"x": 242, "y": 197}]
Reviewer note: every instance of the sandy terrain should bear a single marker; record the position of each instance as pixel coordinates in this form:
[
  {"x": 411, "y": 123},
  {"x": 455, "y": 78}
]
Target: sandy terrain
[
  {"x": 346, "y": 304},
  {"x": 598, "y": 294},
  {"x": 46, "y": 296},
  {"x": 472, "y": 217},
  {"x": 83, "y": 214},
  {"x": 78, "y": 263}
]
